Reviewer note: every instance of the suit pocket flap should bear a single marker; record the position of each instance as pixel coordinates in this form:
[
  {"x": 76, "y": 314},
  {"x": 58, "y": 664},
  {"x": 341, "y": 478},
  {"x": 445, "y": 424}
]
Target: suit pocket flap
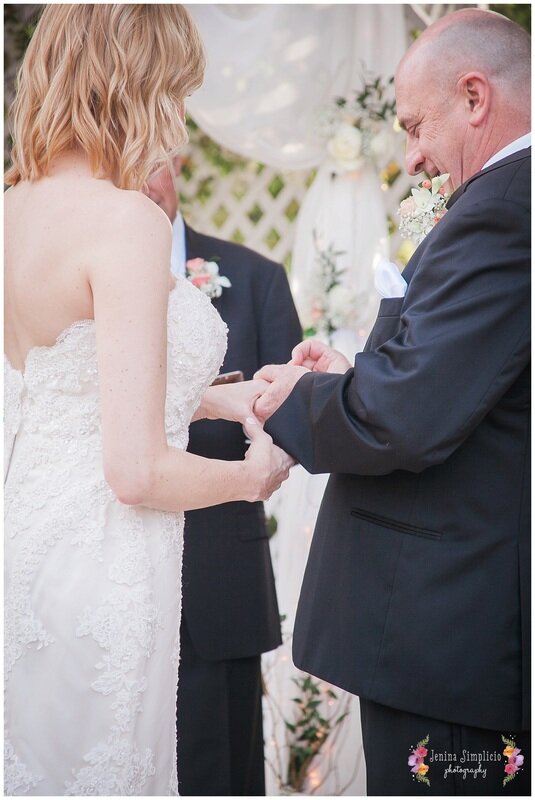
[
  {"x": 395, "y": 525},
  {"x": 390, "y": 306}
]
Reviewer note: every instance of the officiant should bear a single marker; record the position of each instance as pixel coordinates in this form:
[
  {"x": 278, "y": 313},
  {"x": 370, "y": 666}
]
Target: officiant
[{"x": 229, "y": 614}]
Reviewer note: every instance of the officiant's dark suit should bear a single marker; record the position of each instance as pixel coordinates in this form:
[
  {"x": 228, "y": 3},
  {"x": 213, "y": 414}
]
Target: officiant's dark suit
[
  {"x": 417, "y": 594},
  {"x": 230, "y": 614}
]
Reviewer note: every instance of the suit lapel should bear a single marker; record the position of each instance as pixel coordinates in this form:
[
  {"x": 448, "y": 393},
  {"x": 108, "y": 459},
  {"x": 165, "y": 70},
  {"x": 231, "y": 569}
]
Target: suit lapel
[
  {"x": 193, "y": 244},
  {"x": 518, "y": 156}
]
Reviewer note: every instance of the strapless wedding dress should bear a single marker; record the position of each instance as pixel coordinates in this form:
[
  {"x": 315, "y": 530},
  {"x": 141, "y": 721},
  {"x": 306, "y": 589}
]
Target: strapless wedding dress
[{"x": 92, "y": 586}]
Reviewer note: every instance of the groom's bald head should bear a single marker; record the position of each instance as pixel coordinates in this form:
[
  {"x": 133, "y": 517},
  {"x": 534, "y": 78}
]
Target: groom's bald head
[
  {"x": 463, "y": 92},
  {"x": 473, "y": 39}
]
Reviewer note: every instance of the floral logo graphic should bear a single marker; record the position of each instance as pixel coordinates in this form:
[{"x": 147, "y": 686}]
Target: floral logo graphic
[
  {"x": 416, "y": 762},
  {"x": 205, "y": 276},
  {"x": 420, "y": 213},
  {"x": 514, "y": 759}
]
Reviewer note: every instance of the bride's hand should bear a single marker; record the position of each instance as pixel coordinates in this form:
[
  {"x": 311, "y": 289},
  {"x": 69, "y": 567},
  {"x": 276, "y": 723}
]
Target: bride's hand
[
  {"x": 269, "y": 465},
  {"x": 233, "y": 402},
  {"x": 318, "y": 357}
]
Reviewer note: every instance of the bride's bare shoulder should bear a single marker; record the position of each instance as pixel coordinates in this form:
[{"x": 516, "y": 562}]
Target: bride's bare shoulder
[
  {"x": 128, "y": 236},
  {"x": 87, "y": 205},
  {"x": 126, "y": 213}
]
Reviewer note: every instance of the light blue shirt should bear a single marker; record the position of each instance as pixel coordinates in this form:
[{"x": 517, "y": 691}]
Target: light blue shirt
[{"x": 178, "y": 250}]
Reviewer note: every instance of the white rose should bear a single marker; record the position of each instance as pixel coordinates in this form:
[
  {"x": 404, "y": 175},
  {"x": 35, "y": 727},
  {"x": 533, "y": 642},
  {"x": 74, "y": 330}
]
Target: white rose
[
  {"x": 345, "y": 146},
  {"x": 211, "y": 267},
  {"x": 381, "y": 144}
]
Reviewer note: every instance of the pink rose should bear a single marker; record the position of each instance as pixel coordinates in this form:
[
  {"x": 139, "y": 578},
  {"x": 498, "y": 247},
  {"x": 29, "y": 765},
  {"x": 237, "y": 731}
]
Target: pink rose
[
  {"x": 195, "y": 264},
  {"x": 421, "y": 751},
  {"x": 510, "y": 769},
  {"x": 200, "y": 280}
]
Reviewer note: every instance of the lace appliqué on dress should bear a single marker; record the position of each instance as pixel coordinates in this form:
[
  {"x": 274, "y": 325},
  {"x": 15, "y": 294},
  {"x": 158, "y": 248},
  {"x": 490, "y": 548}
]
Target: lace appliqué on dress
[
  {"x": 17, "y": 777},
  {"x": 65, "y": 528}
]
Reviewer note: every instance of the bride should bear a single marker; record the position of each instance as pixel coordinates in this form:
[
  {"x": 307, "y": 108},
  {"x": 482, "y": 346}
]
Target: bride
[{"x": 106, "y": 364}]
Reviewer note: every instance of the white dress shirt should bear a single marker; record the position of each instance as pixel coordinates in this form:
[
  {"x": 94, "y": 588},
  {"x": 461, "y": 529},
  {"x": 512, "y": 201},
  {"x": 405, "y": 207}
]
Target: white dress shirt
[{"x": 513, "y": 147}]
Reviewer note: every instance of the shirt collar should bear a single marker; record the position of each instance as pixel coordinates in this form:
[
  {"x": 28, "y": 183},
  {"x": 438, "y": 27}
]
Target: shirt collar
[
  {"x": 178, "y": 251},
  {"x": 513, "y": 147}
]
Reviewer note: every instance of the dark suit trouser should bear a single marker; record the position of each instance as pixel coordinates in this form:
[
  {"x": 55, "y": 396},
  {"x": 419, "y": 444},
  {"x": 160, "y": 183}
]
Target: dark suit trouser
[
  {"x": 220, "y": 748},
  {"x": 390, "y": 735}
]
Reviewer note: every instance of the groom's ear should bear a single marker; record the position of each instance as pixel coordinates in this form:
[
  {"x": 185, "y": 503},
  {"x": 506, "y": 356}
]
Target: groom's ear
[{"x": 475, "y": 91}]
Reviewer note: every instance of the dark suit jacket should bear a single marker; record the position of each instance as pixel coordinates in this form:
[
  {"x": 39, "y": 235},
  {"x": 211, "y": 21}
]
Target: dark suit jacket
[
  {"x": 229, "y": 599},
  {"x": 416, "y": 593}
]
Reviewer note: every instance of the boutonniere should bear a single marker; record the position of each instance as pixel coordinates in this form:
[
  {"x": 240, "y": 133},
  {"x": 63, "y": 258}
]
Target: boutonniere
[
  {"x": 420, "y": 213},
  {"x": 205, "y": 276}
]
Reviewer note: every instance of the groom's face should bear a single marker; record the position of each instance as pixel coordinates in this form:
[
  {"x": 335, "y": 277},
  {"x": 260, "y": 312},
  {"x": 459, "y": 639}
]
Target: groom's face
[{"x": 433, "y": 126}]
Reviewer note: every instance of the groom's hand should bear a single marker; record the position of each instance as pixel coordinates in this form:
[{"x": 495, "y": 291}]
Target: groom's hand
[
  {"x": 281, "y": 379},
  {"x": 318, "y": 357}
]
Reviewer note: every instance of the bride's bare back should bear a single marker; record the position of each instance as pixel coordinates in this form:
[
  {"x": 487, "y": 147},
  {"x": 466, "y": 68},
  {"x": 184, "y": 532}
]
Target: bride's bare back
[{"x": 56, "y": 230}]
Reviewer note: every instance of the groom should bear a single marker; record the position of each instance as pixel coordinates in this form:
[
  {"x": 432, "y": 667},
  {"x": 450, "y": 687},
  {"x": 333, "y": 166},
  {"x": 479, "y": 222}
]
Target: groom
[{"x": 416, "y": 593}]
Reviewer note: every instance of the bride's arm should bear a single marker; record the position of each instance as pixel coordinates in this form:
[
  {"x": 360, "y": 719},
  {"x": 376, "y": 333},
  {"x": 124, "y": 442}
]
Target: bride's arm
[{"x": 129, "y": 277}]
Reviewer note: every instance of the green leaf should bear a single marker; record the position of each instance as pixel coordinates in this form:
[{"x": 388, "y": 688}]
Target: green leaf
[
  {"x": 423, "y": 742},
  {"x": 423, "y": 779}
]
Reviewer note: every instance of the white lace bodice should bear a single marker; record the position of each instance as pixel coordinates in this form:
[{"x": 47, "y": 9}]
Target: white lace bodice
[
  {"x": 58, "y": 393},
  {"x": 92, "y": 589}
]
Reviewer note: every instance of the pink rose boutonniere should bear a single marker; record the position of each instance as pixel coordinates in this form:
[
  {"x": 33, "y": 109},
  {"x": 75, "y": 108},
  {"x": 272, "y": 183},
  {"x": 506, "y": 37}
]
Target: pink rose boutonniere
[
  {"x": 420, "y": 213},
  {"x": 205, "y": 276}
]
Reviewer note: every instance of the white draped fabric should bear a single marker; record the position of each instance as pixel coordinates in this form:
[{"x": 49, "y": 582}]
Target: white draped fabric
[
  {"x": 272, "y": 70},
  {"x": 346, "y": 212}
]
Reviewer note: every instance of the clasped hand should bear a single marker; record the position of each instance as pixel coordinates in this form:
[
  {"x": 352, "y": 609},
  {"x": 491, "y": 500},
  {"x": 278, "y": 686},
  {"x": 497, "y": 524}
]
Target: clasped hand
[
  {"x": 272, "y": 384},
  {"x": 308, "y": 356}
]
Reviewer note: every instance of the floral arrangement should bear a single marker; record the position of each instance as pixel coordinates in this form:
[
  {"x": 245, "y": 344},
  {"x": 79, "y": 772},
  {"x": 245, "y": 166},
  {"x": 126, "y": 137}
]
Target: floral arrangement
[
  {"x": 331, "y": 305},
  {"x": 360, "y": 130},
  {"x": 514, "y": 760},
  {"x": 420, "y": 213},
  {"x": 313, "y": 731},
  {"x": 309, "y": 730},
  {"x": 205, "y": 276},
  {"x": 416, "y": 762}
]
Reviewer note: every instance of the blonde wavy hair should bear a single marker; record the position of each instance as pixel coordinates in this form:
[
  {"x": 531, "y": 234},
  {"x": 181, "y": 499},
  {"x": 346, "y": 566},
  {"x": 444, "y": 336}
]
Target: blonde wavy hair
[{"x": 109, "y": 80}]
